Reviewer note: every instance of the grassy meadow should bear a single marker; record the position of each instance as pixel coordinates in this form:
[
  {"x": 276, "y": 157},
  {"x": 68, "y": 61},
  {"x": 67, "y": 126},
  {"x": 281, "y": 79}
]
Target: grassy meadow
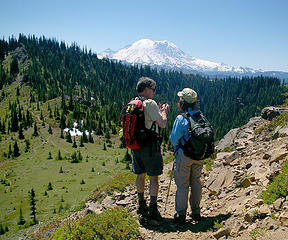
[{"x": 72, "y": 183}]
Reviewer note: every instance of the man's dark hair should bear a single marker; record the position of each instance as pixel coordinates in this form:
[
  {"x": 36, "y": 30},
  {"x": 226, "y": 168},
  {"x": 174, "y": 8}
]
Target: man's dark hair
[{"x": 144, "y": 82}]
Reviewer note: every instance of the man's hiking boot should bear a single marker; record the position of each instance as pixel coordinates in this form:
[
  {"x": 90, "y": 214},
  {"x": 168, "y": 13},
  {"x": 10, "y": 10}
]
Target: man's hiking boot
[
  {"x": 195, "y": 217},
  {"x": 153, "y": 213},
  {"x": 179, "y": 218},
  {"x": 142, "y": 208}
]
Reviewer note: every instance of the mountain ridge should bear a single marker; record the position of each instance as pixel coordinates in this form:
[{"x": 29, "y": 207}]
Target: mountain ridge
[{"x": 164, "y": 54}]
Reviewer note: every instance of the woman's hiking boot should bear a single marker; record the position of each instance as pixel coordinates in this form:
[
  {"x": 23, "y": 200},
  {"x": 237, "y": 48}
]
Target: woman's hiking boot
[
  {"x": 142, "y": 208},
  {"x": 195, "y": 217},
  {"x": 179, "y": 218},
  {"x": 153, "y": 213}
]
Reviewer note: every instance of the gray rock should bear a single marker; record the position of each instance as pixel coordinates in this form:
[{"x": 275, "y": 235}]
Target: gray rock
[
  {"x": 269, "y": 113},
  {"x": 228, "y": 139}
]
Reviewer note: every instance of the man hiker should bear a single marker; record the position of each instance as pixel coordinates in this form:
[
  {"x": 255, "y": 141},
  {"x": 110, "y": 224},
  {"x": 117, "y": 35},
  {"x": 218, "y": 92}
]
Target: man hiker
[
  {"x": 148, "y": 159},
  {"x": 187, "y": 171}
]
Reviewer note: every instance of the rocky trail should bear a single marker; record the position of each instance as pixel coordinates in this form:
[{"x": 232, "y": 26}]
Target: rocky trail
[{"x": 231, "y": 207}]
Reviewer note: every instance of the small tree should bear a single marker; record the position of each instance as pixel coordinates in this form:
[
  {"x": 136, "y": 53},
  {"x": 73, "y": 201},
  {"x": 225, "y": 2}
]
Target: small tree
[
  {"x": 49, "y": 156},
  {"x": 68, "y": 137},
  {"x": 33, "y": 206},
  {"x": 16, "y": 152},
  {"x": 49, "y": 186},
  {"x": 85, "y": 139},
  {"x": 104, "y": 147},
  {"x": 50, "y": 130},
  {"x": 20, "y": 131},
  {"x": 90, "y": 139},
  {"x": 59, "y": 157},
  {"x": 27, "y": 145},
  {"x": 21, "y": 220},
  {"x": 127, "y": 157},
  {"x": 35, "y": 133},
  {"x": 74, "y": 143},
  {"x": 81, "y": 141},
  {"x": 61, "y": 133},
  {"x": 61, "y": 170}
]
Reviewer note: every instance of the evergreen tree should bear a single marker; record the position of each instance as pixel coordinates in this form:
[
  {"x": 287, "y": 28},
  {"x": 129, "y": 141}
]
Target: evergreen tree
[
  {"x": 49, "y": 156},
  {"x": 35, "y": 133},
  {"x": 49, "y": 188},
  {"x": 59, "y": 157},
  {"x": 63, "y": 120},
  {"x": 9, "y": 151},
  {"x": 85, "y": 139},
  {"x": 20, "y": 132},
  {"x": 14, "y": 69},
  {"x": 127, "y": 157},
  {"x": 74, "y": 143},
  {"x": 90, "y": 139},
  {"x": 81, "y": 141},
  {"x": 61, "y": 133},
  {"x": 50, "y": 130},
  {"x": 32, "y": 206},
  {"x": 27, "y": 145},
  {"x": 68, "y": 137},
  {"x": 21, "y": 220},
  {"x": 16, "y": 152}
]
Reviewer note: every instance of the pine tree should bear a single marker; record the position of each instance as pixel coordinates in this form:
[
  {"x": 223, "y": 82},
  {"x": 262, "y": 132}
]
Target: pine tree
[
  {"x": 59, "y": 157},
  {"x": 16, "y": 152},
  {"x": 9, "y": 154},
  {"x": 32, "y": 206},
  {"x": 14, "y": 69},
  {"x": 85, "y": 139},
  {"x": 49, "y": 186},
  {"x": 61, "y": 133},
  {"x": 50, "y": 130},
  {"x": 68, "y": 137},
  {"x": 27, "y": 145},
  {"x": 35, "y": 133},
  {"x": 127, "y": 157},
  {"x": 20, "y": 132},
  {"x": 63, "y": 120},
  {"x": 90, "y": 139},
  {"x": 81, "y": 141},
  {"x": 49, "y": 156},
  {"x": 21, "y": 220},
  {"x": 74, "y": 143}
]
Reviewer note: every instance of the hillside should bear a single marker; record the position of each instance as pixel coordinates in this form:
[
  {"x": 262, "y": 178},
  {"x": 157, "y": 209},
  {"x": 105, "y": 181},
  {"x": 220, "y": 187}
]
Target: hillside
[
  {"x": 233, "y": 203},
  {"x": 47, "y": 87}
]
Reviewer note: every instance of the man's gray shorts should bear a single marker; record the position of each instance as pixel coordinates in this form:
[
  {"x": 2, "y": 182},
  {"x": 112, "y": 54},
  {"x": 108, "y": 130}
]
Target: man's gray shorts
[{"x": 148, "y": 160}]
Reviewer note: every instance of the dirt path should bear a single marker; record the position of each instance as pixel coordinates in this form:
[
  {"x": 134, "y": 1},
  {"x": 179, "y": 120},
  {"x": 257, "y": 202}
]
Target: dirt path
[{"x": 212, "y": 223}]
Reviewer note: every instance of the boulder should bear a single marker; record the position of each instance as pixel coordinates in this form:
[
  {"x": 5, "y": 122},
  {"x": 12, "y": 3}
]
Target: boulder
[
  {"x": 269, "y": 113},
  {"x": 284, "y": 219},
  {"x": 228, "y": 139}
]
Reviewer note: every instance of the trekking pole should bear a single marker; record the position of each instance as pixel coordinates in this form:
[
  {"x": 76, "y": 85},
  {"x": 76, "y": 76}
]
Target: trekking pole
[{"x": 171, "y": 176}]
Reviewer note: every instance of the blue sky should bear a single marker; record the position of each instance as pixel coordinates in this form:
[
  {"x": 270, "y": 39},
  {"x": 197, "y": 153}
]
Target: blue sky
[{"x": 248, "y": 33}]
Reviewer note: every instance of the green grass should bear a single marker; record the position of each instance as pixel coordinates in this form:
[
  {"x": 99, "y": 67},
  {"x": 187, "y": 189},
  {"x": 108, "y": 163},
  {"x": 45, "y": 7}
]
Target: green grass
[
  {"x": 33, "y": 169},
  {"x": 111, "y": 224},
  {"x": 278, "y": 188}
]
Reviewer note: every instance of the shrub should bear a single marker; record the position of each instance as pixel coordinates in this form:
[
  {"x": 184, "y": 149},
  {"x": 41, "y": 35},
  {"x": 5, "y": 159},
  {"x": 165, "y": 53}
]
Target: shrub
[
  {"x": 278, "y": 188},
  {"x": 110, "y": 224}
]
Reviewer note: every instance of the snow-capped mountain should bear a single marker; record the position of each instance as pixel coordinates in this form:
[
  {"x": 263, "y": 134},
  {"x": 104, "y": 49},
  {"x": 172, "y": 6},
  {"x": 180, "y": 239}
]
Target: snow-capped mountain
[{"x": 164, "y": 54}]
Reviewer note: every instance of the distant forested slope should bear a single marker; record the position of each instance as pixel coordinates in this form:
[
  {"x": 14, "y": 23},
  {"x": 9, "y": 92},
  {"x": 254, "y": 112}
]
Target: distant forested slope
[{"x": 95, "y": 90}]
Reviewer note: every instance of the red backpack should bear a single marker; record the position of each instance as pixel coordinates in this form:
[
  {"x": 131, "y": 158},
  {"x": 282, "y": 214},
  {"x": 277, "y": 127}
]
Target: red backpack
[{"x": 133, "y": 124}]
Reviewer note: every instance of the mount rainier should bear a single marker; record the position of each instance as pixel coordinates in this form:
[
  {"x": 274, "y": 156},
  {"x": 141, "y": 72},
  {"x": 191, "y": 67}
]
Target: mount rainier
[{"x": 164, "y": 54}]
